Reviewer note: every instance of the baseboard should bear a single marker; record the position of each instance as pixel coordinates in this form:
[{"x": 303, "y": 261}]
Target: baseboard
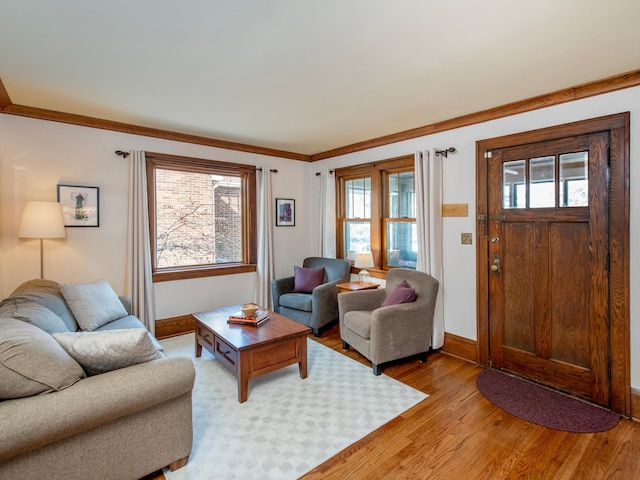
[
  {"x": 460, "y": 347},
  {"x": 171, "y": 327},
  {"x": 635, "y": 404}
]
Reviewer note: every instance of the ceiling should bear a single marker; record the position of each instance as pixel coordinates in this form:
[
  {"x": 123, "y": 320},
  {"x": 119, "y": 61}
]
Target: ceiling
[{"x": 305, "y": 76}]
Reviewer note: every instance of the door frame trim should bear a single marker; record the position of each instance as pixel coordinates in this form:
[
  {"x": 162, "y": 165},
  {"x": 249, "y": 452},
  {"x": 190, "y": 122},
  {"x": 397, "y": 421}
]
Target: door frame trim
[{"x": 619, "y": 127}]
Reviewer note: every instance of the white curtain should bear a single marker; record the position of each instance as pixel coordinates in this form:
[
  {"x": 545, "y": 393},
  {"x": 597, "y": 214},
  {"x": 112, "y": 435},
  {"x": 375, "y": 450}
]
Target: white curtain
[
  {"x": 428, "y": 181},
  {"x": 139, "y": 280},
  {"x": 265, "y": 270},
  {"x": 327, "y": 214}
]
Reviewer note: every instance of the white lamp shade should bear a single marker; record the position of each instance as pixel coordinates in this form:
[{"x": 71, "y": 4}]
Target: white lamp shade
[
  {"x": 41, "y": 220},
  {"x": 363, "y": 260}
]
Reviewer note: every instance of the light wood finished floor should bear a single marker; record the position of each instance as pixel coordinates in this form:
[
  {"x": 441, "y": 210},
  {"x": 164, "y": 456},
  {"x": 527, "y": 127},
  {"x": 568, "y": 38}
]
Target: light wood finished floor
[{"x": 457, "y": 434}]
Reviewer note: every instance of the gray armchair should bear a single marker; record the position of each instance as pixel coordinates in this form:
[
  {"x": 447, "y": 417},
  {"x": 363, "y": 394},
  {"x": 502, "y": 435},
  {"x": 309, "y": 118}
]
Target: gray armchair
[
  {"x": 383, "y": 334},
  {"x": 318, "y": 308}
]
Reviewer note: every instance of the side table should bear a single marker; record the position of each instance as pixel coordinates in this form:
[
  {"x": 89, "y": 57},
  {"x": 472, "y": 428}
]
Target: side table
[{"x": 355, "y": 286}]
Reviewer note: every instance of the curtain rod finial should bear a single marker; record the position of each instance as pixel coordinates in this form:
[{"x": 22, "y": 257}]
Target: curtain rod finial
[
  {"x": 122, "y": 154},
  {"x": 444, "y": 153}
]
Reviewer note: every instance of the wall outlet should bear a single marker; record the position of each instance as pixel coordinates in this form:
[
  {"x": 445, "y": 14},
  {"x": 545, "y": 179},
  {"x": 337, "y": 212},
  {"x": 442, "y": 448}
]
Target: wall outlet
[{"x": 466, "y": 238}]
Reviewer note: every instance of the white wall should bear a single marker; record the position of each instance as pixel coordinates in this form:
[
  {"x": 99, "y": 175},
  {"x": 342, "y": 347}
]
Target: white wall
[
  {"x": 37, "y": 155},
  {"x": 459, "y": 285}
]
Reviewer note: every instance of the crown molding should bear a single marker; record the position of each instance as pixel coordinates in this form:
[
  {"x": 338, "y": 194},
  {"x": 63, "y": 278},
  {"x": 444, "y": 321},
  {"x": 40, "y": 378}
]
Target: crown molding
[
  {"x": 610, "y": 84},
  {"x": 81, "y": 120}
]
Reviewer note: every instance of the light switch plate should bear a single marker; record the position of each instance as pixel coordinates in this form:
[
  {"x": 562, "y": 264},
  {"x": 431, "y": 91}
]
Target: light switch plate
[{"x": 466, "y": 238}]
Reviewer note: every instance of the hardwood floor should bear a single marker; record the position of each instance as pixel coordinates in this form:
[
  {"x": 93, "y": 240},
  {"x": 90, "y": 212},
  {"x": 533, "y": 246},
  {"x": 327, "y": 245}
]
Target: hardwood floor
[{"x": 457, "y": 434}]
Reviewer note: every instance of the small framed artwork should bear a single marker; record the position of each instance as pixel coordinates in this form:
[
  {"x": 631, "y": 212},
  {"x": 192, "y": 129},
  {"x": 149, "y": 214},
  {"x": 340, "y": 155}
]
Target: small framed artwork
[
  {"x": 80, "y": 205},
  {"x": 285, "y": 212}
]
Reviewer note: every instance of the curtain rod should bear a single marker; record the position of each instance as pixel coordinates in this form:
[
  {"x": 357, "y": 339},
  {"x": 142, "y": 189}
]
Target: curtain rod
[
  {"x": 126, "y": 154},
  {"x": 446, "y": 151}
]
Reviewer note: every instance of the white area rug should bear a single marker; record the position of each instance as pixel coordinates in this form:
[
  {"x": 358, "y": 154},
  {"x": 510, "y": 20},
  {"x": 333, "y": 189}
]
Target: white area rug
[{"x": 288, "y": 425}]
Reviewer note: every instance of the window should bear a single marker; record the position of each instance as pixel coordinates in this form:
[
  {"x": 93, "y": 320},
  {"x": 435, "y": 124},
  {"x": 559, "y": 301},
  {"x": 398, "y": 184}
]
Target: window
[
  {"x": 376, "y": 212},
  {"x": 201, "y": 217}
]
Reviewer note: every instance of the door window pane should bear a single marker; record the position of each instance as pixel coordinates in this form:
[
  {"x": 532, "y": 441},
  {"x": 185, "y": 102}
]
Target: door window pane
[
  {"x": 574, "y": 179},
  {"x": 514, "y": 187},
  {"x": 542, "y": 184},
  {"x": 402, "y": 242}
]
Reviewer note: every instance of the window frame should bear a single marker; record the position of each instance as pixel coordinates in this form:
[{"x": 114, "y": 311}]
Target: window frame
[
  {"x": 378, "y": 172},
  {"x": 247, "y": 174}
]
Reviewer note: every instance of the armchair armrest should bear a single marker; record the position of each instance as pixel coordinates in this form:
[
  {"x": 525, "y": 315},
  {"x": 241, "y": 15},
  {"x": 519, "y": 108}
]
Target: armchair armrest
[
  {"x": 325, "y": 304},
  {"x": 405, "y": 327},
  {"x": 280, "y": 286},
  {"x": 362, "y": 300}
]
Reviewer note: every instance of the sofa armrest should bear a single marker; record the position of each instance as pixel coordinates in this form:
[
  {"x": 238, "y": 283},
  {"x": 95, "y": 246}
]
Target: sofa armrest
[
  {"x": 33, "y": 422},
  {"x": 126, "y": 302}
]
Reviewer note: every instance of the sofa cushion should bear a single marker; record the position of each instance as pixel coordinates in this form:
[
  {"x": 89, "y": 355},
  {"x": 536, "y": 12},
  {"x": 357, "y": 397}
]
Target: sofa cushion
[
  {"x": 33, "y": 313},
  {"x": 100, "y": 352},
  {"x": 46, "y": 293},
  {"x": 32, "y": 362},
  {"x": 306, "y": 279},
  {"x": 402, "y": 293},
  {"x": 93, "y": 304},
  {"x": 297, "y": 301}
]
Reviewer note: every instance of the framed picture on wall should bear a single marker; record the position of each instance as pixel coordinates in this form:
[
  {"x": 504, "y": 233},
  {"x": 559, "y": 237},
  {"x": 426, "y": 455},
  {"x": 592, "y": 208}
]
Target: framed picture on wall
[
  {"x": 80, "y": 205},
  {"x": 285, "y": 212}
]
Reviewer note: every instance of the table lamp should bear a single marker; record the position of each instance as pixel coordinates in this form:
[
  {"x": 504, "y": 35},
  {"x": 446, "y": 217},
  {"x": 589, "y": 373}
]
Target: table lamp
[
  {"x": 41, "y": 220},
  {"x": 363, "y": 261}
]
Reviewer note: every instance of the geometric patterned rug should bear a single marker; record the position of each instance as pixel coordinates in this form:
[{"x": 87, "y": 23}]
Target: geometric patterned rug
[{"x": 288, "y": 425}]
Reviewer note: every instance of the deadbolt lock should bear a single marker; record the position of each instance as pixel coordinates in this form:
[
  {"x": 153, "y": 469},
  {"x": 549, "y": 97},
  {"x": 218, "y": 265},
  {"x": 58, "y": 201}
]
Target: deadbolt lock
[{"x": 495, "y": 265}]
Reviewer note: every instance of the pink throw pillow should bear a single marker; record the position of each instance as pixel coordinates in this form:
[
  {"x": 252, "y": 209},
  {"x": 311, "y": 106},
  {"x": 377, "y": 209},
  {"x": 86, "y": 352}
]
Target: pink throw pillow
[
  {"x": 306, "y": 279},
  {"x": 402, "y": 293}
]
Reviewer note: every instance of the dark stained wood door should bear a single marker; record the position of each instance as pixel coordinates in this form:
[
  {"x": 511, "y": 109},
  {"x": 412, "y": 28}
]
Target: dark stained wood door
[{"x": 548, "y": 263}]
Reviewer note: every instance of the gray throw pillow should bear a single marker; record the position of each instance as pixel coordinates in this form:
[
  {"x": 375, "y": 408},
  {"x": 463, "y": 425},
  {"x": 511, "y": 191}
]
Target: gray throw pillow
[
  {"x": 107, "y": 350},
  {"x": 94, "y": 304},
  {"x": 32, "y": 362}
]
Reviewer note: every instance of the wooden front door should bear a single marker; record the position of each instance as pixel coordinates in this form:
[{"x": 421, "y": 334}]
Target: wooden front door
[{"x": 548, "y": 236}]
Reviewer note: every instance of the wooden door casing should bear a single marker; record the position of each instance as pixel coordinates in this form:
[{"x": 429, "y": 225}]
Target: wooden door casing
[{"x": 611, "y": 335}]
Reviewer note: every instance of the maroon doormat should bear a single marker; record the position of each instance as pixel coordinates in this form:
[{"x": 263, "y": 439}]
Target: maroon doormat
[{"x": 543, "y": 406}]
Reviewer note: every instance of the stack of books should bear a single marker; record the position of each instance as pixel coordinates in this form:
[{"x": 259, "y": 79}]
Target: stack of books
[{"x": 258, "y": 318}]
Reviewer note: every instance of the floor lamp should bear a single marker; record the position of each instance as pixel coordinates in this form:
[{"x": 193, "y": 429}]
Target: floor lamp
[{"x": 41, "y": 220}]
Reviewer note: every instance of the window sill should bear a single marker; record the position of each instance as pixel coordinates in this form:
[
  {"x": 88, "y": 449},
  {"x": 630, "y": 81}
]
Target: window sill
[{"x": 167, "y": 275}]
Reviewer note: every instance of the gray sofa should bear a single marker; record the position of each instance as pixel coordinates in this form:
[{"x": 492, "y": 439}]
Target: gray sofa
[
  {"x": 121, "y": 424},
  {"x": 318, "y": 308}
]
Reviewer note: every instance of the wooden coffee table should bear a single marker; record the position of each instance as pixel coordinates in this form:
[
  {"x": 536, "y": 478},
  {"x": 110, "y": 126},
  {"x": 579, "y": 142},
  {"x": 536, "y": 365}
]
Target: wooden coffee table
[{"x": 251, "y": 351}]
